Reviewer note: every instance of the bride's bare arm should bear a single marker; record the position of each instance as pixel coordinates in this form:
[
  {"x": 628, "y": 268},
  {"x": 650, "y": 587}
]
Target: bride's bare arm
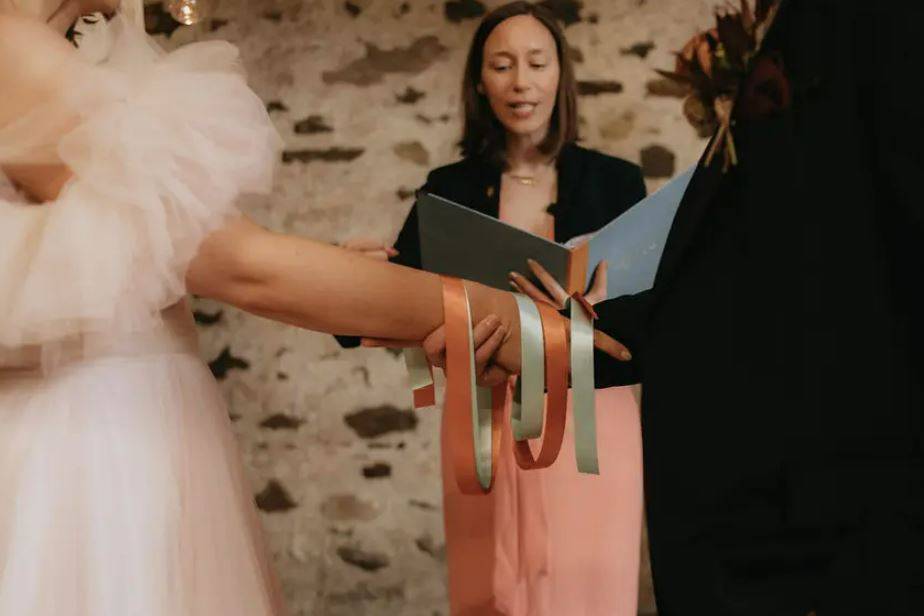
[
  {"x": 329, "y": 289},
  {"x": 289, "y": 279}
]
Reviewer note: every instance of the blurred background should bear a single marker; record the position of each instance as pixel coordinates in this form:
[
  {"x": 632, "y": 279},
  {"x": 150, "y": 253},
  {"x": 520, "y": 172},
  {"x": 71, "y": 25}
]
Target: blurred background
[{"x": 366, "y": 96}]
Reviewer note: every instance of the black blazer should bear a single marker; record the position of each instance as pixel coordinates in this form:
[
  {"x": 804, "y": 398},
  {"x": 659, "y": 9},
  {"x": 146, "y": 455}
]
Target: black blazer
[
  {"x": 781, "y": 346},
  {"x": 593, "y": 189},
  {"x": 816, "y": 236}
]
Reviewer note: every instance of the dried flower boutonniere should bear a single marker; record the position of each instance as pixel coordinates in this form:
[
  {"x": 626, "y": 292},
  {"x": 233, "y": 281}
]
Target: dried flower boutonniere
[{"x": 723, "y": 64}]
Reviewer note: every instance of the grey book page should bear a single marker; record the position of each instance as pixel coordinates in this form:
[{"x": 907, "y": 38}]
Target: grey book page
[{"x": 458, "y": 241}]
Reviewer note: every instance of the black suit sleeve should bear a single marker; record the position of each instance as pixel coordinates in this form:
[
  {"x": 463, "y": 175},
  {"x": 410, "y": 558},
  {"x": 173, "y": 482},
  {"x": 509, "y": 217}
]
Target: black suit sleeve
[
  {"x": 408, "y": 247},
  {"x": 625, "y": 319},
  {"x": 408, "y": 242}
]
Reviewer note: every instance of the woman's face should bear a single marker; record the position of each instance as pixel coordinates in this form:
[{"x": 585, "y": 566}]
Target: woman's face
[{"x": 519, "y": 75}]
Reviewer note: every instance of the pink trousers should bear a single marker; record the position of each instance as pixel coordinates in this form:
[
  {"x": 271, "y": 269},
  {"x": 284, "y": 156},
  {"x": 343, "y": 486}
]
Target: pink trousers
[{"x": 552, "y": 541}]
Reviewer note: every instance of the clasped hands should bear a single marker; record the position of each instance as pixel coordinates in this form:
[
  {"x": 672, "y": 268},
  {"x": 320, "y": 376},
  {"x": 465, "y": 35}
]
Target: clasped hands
[{"x": 491, "y": 333}]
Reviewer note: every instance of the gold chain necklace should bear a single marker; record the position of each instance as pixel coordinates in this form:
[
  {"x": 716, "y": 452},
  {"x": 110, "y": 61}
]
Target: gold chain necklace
[{"x": 526, "y": 180}]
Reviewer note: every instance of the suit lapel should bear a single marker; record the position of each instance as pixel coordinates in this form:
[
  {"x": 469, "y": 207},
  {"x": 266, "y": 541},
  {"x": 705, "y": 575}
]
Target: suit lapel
[
  {"x": 568, "y": 204},
  {"x": 700, "y": 193},
  {"x": 703, "y": 185},
  {"x": 488, "y": 188}
]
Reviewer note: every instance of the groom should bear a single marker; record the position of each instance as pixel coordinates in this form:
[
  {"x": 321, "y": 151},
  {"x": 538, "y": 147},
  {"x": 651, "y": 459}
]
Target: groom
[{"x": 781, "y": 347}]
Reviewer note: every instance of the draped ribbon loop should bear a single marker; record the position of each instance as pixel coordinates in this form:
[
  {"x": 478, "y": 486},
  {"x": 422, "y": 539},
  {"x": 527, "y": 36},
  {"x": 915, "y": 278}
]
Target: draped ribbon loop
[
  {"x": 473, "y": 415},
  {"x": 583, "y": 399},
  {"x": 556, "y": 381},
  {"x": 529, "y": 397}
]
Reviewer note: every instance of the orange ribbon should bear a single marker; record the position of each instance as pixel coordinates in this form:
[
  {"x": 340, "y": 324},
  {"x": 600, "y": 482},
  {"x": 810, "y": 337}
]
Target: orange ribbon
[
  {"x": 460, "y": 406},
  {"x": 556, "y": 380},
  {"x": 426, "y": 395},
  {"x": 467, "y": 450}
]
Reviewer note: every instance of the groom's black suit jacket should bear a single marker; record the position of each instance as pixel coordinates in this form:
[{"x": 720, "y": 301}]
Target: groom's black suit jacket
[{"x": 780, "y": 349}]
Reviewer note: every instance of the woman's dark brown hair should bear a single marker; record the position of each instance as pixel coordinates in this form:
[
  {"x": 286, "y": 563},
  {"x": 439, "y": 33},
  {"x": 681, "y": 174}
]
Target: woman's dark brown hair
[{"x": 483, "y": 135}]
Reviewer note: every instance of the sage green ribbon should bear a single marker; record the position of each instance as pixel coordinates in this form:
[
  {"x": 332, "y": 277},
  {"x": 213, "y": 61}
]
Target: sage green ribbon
[
  {"x": 418, "y": 368},
  {"x": 482, "y": 413},
  {"x": 421, "y": 376},
  {"x": 583, "y": 398},
  {"x": 527, "y": 410}
]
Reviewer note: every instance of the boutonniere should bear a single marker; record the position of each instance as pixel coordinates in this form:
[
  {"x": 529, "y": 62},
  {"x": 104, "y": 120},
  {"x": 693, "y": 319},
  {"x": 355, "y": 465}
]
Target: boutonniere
[{"x": 724, "y": 71}]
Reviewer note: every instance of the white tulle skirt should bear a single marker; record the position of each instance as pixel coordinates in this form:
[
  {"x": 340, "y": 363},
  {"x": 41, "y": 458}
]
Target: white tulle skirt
[{"x": 122, "y": 487}]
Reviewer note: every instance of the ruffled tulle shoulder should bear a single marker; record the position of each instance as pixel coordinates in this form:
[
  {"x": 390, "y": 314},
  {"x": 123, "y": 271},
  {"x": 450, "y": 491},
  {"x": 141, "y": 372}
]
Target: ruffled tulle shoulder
[{"x": 161, "y": 146}]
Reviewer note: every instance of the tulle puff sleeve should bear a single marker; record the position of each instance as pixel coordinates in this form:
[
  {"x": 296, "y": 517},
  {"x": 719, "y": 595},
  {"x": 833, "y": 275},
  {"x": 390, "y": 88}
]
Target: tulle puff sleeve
[{"x": 161, "y": 146}]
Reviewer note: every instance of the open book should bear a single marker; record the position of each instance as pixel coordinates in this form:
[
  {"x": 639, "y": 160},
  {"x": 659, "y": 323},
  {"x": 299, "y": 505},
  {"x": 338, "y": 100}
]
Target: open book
[{"x": 458, "y": 241}]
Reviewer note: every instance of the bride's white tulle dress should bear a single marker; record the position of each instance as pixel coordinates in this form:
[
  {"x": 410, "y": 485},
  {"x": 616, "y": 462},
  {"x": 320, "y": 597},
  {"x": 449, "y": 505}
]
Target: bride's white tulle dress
[{"x": 122, "y": 491}]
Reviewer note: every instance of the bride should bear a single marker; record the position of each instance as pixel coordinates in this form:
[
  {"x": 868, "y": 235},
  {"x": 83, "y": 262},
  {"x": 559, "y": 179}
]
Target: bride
[{"x": 122, "y": 488}]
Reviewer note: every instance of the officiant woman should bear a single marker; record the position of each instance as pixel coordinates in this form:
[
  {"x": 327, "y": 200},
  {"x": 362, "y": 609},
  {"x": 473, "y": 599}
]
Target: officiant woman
[{"x": 551, "y": 542}]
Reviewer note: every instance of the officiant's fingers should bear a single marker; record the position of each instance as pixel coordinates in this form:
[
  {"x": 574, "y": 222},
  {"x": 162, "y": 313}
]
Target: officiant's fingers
[
  {"x": 378, "y": 255},
  {"x": 611, "y": 347},
  {"x": 524, "y": 286},
  {"x": 362, "y": 244},
  {"x": 551, "y": 285},
  {"x": 372, "y": 249},
  {"x": 597, "y": 292}
]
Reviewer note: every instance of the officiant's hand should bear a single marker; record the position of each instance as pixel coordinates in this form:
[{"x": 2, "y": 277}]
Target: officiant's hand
[
  {"x": 373, "y": 249},
  {"x": 487, "y": 338},
  {"x": 554, "y": 294}
]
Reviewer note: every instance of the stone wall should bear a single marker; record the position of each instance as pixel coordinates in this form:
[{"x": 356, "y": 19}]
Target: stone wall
[{"x": 365, "y": 94}]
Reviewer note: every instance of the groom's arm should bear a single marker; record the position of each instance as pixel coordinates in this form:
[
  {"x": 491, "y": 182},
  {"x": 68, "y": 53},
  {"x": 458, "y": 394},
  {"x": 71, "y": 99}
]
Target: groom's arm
[{"x": 625, "y": 319}]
